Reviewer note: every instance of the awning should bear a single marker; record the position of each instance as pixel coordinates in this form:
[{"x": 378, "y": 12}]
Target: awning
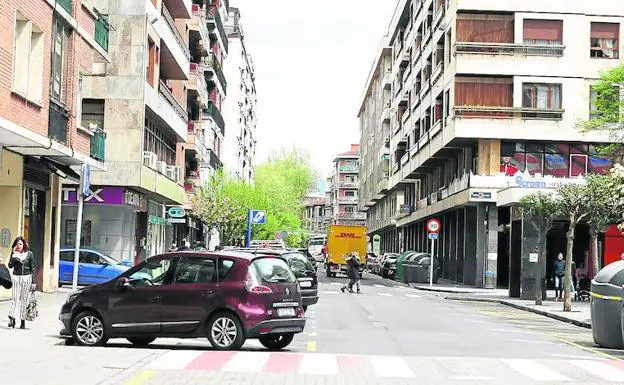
[{"x": 59, "y": 169}]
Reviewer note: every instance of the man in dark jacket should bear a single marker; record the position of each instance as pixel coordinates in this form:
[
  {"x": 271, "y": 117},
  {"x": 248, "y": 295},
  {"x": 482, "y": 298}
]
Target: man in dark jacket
[
  {"x": 559, "y": 271},
  {"x": 353, "y": 272}
]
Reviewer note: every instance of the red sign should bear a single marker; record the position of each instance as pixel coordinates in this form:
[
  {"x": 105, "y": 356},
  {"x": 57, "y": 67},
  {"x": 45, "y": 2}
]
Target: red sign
[{"x": 433, "y": 226}]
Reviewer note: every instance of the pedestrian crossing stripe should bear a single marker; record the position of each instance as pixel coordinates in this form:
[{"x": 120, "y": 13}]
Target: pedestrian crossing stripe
[{"x": 554, "y": 370}]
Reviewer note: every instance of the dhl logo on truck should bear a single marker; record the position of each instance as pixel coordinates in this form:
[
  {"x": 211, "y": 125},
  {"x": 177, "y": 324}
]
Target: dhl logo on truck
[{"x": 349, "y": 235}]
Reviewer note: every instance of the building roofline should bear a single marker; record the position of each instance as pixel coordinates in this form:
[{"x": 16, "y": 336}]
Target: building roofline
[{"x": 384, "y": 49}]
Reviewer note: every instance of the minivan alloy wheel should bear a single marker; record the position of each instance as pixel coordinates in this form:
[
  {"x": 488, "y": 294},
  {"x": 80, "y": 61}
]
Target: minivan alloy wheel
[
  {"x": 89, "y": 329},
  {"x": 223, "y": 332}
]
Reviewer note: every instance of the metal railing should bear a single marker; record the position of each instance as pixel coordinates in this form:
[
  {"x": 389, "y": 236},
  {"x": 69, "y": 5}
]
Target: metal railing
[
  {"x": 494, "y": 112},
  {"x": 216, "y": 66},
  {"x": 214, "y": 17},
  {"x": 508, "y": 49},
  {"x": 176, "y": 34},
  {"x": 66, "y": 4},
  {"x": 213, "y": 111},
  {"x": 57, "y": 126},
  {"x": 98, "y": 145},
  {"x": 177, "y": 107},
  {"x": 101, "y": 33}
]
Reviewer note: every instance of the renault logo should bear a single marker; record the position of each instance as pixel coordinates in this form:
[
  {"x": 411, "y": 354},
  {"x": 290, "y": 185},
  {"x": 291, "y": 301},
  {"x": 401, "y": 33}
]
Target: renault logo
[{"x": 287, "y": 291}]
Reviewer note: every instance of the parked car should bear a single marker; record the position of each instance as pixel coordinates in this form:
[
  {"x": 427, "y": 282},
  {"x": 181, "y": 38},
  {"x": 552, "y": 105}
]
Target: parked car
[
  {"x": 309, "y": 257},
  {"x": 302, "y": 268},
  {"x": 370, "y": 261},
  {"x": 93, "y": 267},
  {"x": 378, "y": 264},
  {"x": 227, "y": 297},
  {"x": 388, "y": 269}
]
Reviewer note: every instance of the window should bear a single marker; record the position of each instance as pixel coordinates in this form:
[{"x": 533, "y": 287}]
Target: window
[
  {"x": 156, "y": 141},
  {"x": 350, "y": 193},
  {"x": 543, "y": 32},
  {"x": 91, "y": 258},
  {"x": 604, "y": 40},
  {"x": 67, "y": 256},
  {"x": 92, "y": 113},
  {"x": 152, "y": 63},
  {"x": 225, "y": 265},
  {"x": 150, "y": 272},
  {"x": 272, "y": 270},
  {"x": 544, "y": 96},
  {"x": 299, "y": 264},
  {"x": 27, "y": 59},
  {"x": 195, "y": 270},
  {"x": 58, "y": 78}
]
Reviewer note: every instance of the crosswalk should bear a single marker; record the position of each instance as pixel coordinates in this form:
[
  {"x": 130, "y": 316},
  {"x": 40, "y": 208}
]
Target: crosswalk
[
  {"x": 388, "y": 367},
  {"x": 378, "y": 294}
]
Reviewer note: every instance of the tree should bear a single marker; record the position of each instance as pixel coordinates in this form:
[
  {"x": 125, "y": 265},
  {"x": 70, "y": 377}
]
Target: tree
[
  {"x": 573, "y": 202},
  {"x": 617, "y": 175},
  {"x": 602, "y": 207},
  {"x": 540, "y": 210}
]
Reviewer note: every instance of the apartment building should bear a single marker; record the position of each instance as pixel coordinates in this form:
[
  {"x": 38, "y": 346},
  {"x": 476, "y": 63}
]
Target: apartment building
[
  {"x": 471, "y": 105},
  {"x": 159, "y": 100},
  {"x": 343, "y": 186},
  {"x": 46, "y": 48},
  {"x": 239, "y": 156},
  {"x": 315, "y": 220}
]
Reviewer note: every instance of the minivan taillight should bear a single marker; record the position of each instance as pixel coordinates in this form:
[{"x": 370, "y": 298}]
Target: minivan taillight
[{"x": 252, "y": 285}]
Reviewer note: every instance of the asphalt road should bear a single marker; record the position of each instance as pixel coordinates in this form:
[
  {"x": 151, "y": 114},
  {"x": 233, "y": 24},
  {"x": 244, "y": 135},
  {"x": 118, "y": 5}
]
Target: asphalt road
[{"x": 389, "y": 334}]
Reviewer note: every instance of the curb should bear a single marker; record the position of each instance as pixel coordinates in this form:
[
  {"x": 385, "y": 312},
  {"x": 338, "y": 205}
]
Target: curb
[
  {"x": 440, "y": 290},
  {"x": 525, "y": 308}
]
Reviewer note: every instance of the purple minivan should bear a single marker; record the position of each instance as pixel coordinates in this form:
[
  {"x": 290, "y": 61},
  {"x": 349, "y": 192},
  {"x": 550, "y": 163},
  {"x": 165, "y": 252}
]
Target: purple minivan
[{"x": 227, "y": 297}]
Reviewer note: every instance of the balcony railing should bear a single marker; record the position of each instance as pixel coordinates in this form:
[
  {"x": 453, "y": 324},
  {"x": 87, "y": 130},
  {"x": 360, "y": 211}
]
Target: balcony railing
[
  {"x": 98, "y": 145},
  {"x": 200, "y": 13},
  {"x": 176, "y": 34},
  {"x": 202, "y": 87},
  {"x": 213, "y": 111},
  {"x": 348, "y": 168},
  {"x": 66, "y": 4},
  {"x": 216, "y": 66},
  {"x": 215, "y": 18},
  {"x": 57, "y": 126},
  {"x": 508, "y": 49},
  {"x": 493, "y": 112},
  {"x": 164, "y": 90},
  {"x": 101, "y": 33}
]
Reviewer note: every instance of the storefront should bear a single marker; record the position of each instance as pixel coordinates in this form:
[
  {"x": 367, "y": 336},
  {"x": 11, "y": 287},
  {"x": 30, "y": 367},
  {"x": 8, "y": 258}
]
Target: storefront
[{"x": 109, "y": 222}]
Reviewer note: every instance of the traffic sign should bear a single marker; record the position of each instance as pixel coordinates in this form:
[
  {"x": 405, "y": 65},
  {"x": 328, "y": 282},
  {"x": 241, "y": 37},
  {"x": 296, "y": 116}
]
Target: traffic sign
[
  {"x": 433, "y": 236},
  {"x": 258, "y": 217},
  {"x": 176, "y": 212},
  {"x": 433, "y": 226}
]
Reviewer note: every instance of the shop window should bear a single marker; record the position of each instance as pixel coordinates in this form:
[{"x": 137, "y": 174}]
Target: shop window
[
  {"x": 599, "y": 164},
  {"x": 604, "y": 40},
  {"x": 70, "y": 233},
  {"x": 556, "y": 165},
  {"x": 578, "y": 165},
  {"x": 534, "y": 163}
]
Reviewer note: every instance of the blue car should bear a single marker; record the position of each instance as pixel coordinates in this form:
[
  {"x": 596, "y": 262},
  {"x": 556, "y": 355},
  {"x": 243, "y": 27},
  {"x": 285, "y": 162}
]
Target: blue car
[{"x": 93, "y": 267}]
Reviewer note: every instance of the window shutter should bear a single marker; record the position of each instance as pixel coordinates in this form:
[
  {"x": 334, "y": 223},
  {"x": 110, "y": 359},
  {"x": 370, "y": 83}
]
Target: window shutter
[
  {"x": 543, "y": 30},
  {"x": 605, "y": 30}
]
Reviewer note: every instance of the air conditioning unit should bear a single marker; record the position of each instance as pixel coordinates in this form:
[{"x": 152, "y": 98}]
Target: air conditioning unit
[
  {"x": 150, "y": 159},
  {"x": 162, "y": 167},
  {"x": 173, "y": 173}
]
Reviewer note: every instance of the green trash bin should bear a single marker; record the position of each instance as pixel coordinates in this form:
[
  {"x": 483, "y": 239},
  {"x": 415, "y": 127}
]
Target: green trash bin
[{"x": 400, "y": 271}]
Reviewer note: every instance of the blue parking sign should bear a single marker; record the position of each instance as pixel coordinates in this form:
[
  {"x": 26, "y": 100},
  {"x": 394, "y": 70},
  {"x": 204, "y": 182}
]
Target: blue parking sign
[{"x": 258, "y": 217}]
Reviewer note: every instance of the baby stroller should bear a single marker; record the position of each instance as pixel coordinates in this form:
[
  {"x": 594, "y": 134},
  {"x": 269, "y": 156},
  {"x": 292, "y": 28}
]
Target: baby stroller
[{"x": 582, "y": 288}]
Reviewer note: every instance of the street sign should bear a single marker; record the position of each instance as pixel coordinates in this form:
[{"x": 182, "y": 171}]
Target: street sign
[
  {"x": 433, "y": 236},
  {"x": 258, "y": 217},
  {"x": 433, "y": 226},
  {"x": 176, "y": 212},
  {"x": 86, "y": 187}
]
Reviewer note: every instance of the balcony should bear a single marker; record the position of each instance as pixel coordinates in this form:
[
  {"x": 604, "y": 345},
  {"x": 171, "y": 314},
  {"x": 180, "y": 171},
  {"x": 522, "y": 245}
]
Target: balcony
[
  {"x": 98, "y": 145},
  {"x": 347, "y": 200},
  {"x": 214, "y": 22},
  {"x": 212, "y": 64},
  {"x": 165, "y": 106},
  {"x": 386, "y": 81},
  {"x": 349, "y": 169},
  {"x": 197, "y": 141},
  {"x": 197, "y": 83},
  {"x": 214, "y": 160},
  {"x": 216, "y": 116},
  {"x": 494, "y": 112},
  {"x": 66, "y": 4},
  {"x": 351, "y": 215},
  {"x": 101, "y": 33},
  {"x": 348, "y": 184},
  {"x": 198, "y": 25},
  {"x": 57, "y": 126},
  {"x": 180, "y": 9},
  {"x": 175, "y": 55},
  {"x": 507, "y": 49}
]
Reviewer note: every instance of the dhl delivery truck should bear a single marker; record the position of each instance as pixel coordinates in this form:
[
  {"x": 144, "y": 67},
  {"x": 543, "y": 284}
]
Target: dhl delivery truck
[{"x": 342, "y": 241}]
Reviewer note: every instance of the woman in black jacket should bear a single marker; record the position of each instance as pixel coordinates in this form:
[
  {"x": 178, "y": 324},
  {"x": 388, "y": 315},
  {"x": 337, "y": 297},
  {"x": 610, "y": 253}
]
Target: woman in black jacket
[{"x": 23, "y": 264}]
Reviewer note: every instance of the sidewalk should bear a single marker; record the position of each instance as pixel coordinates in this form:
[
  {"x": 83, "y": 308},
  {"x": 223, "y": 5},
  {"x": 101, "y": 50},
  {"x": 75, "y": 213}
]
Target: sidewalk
[{"x": 579, "y": 316}]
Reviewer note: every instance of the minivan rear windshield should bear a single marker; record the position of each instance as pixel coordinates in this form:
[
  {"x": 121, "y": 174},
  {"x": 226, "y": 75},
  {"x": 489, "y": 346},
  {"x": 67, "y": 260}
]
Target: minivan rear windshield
[
  {"x": 273, "y": 270},
  {"x": 298, "y": 263}
]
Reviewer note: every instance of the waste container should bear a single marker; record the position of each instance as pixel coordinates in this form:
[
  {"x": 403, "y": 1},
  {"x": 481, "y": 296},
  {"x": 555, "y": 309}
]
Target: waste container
[
  {"x": 399, "y": 276},
  {"x": 606, "y": 306},
  {"x": 421, "y": 268},
  {"x": 409, "y": 268}
]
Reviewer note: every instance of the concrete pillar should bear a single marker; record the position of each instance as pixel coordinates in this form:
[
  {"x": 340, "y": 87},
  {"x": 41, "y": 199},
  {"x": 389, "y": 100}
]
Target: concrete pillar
[
  {"x": 492, "y": 246},
  {"x": 532, "y": 264},
  {"x": 481, "y": 240},
  {"x": 461, "y": 250},
  {"x": 470, "y": 251}
]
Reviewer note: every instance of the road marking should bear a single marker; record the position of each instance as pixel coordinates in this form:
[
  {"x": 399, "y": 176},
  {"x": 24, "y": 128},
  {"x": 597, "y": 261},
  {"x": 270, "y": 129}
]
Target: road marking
[
  {"x": 391, "y": 367},
  {"x": 324, "y": 364},
  {"x": 575, "y": 357},
  {"x": 385, "y": 294},
  {"x": 472, "y": 378},
  {"x": 247, "y": 362},
  {"x": 602, "y": 370},
  {"x": 512, "y": 331},
  {"x": 283, "y": 362},
  {"x": 533, "y": 341},
  {"x": 535, "y": 370},
  {"x": 312, "y": 334},
  {"x": 412, "y": 295},
  {"x": 142, "y": 377},
  {"x": 330, "y": 292},
  {"x": 174, "y": 360},
  {"x": 378, "y": 285},
  {"x": 311, "y": 346},
  {"x": 588, "y": 349},
  {"x": 335, "y": 283}
]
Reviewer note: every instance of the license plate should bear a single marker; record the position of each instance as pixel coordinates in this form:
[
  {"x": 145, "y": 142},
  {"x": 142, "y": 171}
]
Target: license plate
[
  {"x": 305, "y": 284},
  {"x": 286, "y": 312}
]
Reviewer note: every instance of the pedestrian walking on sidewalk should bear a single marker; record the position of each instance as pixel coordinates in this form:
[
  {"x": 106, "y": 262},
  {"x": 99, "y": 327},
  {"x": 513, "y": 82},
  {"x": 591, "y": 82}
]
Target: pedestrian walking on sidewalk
[
  {"x": 559, "y": 272},
  {"x": 23, "y": 263},
  {"x": 353, "y": 272}
]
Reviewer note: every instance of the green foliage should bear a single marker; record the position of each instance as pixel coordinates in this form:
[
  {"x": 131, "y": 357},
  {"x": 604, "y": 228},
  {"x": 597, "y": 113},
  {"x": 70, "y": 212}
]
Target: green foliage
[
  {"x": 601, "y": 201},
  {"x": 540, "y": 207},
  {"x": 280, "y": 187}
]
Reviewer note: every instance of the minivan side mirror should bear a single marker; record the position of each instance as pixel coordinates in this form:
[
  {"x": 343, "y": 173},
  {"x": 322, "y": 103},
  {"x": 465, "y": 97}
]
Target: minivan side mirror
[{"x": 123, "y": 283}]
